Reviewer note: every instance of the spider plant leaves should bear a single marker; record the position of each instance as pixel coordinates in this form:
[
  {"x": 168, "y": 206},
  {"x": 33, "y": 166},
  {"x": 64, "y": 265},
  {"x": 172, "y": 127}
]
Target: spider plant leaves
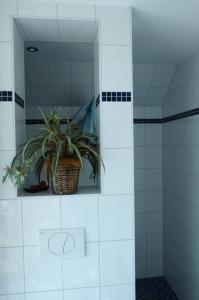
[{"x": 52, "y": 143}]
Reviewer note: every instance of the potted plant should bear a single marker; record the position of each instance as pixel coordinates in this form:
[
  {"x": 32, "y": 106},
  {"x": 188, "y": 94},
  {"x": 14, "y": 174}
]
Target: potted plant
[{"x": 60, "y": 148}]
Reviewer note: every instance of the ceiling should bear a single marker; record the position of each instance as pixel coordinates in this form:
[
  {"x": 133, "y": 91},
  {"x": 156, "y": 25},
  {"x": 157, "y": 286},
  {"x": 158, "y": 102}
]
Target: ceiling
[
  {"x": 56, "y": 30},
  {"x": 165, "y": 31}
]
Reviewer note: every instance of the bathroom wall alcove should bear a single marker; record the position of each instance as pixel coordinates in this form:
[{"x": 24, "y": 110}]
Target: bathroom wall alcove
[{"x": 56, "y": 66}]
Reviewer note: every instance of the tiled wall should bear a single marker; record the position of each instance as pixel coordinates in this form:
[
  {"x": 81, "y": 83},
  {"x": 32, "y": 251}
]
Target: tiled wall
[
  {"x": 107, "y": 272},
  {"x": 148, "y": 193},
  {"x": 181, "y": 182},
  {"x": 151, "y": 83},
  {"x": 61, "y": 83}
]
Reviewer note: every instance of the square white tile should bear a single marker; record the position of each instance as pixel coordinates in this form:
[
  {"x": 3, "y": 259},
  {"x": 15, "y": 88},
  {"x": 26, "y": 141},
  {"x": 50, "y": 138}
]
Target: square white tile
[
  {"x": 153, "y": 135},
  {"x": 111, "y": 114},
  {"x": 116, "y": 68},
  {"x": 6, "y": 125},
  {"x": 115, "y": 24},
  {"x": 58, "y": 295},
  {"x": 77, "y": 10},
  {"x": 11, "y": 271},
  {"x": 13, "y": 297},
  {"x": 116, "y": 217},
  {"x": 117, "y": 292},
  {"x": 140, "y": 180},
  {"x": 116, "y": 262},
  {"x": 60, "y": 73},
  {"x": 117, "y": 165},
  {"x": 140, "y": 246},
  {"x": 153, "y": 157},
  {"x": 10, "y": 223},
  {"x": 36, "y": 9},
  {"x": 39, "y": 213},
  {"x": 139, "y": 157},
  {"x": 82, "y": 74},
  {"x": 76, "y": 213},
  {"x": 154, "y": 223},
  {"x": 7, "y": 190},
  {"x": 81, "y": 273},
  {"x": 140, "y": 202},
  {"x": 140, "y": 224},
  {"x": 139, "y": 134},
  {"x": 141, "y": 271},
  {"x": 163, "y": 75},
  {"x": 153, "y": 179},
  {"x": 7, "y": 9},
  {"x": 154, "y": 245},
  {"x": 154, "y": 266},
  {"x": 6, "y": 83},
  {"x": 154, "y": 201},
  {"x": 82, "y": 294},
  {"x": 143, "y": 75},
  {"x": 140, "y": 95},
  {"x": 41, "y": 275}
]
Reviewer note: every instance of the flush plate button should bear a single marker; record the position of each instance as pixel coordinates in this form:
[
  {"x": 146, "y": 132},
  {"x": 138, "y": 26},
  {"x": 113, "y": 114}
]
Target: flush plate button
[{"x": 62, "y": 243}]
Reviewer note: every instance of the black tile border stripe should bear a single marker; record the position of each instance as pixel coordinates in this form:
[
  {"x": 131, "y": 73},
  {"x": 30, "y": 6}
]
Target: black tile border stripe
[
  {"x": 185, "y": 114},
  {"x": 5, "y": 96},
  {"x": 116, "y": 96},
  {"x": 147, "y": 121},
  {"x": 19, "y": 101}
]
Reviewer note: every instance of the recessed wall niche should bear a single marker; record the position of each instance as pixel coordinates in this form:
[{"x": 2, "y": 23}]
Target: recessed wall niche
[{"x": 56, "y": 67}]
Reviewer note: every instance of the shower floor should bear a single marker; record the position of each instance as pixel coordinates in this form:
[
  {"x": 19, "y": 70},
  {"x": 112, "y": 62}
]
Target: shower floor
[{"x": 154, "y": 289}]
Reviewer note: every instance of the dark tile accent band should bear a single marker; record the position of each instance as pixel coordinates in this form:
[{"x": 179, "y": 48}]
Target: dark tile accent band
[
  {"x": 116, "y": 96},
  {"x": 147, "y": 121},
  {"x": 5, "y": 96},
  {"x": 185, "y": 114},
  {"x": 19, "y": 100}
]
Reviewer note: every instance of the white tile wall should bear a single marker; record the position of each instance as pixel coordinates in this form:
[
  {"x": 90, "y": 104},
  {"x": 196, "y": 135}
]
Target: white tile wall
[
  {"x": 33, "y": 9},
  {"x": 118, "y": 165},
  {"x": 41, "y": 295},
  {"x": 41, "y": 275},
  {"x": 7, "y": 9},
  {"x": 79, "y": 294},
  {"x": 6, "y": 65},
  {"x": 11, "y": 271},
  {"x": 111, "y": 30},
  {"x": 117, "y": 292},
  {"x": 39, "y": 213},
  {"x": 116, "y": 68},
  {"x": 116, "y": 217},
  {"x": 151, "y": 84},
  {"x": 82, "y": 273},
  {"x": 70, "y": 10},
  {"x": 11, "y": 223},
  {"x": 72, "y": 279},
  {"x": 148, "y": 193},
  {"x": 180, "y": 183},
  {"x": 116, "y": 262},
  {"x": 76, "y": 213},
  {"x": 6, "y": 123},
  {"x": 121, "y": 118}
]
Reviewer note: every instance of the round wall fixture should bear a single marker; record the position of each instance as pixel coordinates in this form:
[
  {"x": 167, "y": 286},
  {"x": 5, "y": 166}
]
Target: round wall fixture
[{"x": 32, "y": 49}]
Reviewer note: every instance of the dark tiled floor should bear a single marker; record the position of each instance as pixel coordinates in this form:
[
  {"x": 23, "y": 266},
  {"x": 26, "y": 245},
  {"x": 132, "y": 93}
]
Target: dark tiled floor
[{"x": 154, "y": 289}]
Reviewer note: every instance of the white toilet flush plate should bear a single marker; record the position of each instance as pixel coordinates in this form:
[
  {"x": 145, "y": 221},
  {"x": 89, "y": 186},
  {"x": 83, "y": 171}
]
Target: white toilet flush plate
[{"x": 62, "y": 243}]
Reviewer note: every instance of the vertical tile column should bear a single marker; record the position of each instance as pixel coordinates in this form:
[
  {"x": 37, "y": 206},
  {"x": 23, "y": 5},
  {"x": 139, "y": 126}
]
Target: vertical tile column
[
  {"x": 116, "y": 205},
  {"x": 7, "y": 144}
]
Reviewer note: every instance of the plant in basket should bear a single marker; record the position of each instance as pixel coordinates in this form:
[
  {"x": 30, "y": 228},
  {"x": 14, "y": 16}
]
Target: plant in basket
[{"x": 60, "y": 148}]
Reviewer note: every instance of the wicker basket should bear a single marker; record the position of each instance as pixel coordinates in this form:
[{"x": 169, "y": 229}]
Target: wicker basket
[{"x": 67, "y": 176}]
